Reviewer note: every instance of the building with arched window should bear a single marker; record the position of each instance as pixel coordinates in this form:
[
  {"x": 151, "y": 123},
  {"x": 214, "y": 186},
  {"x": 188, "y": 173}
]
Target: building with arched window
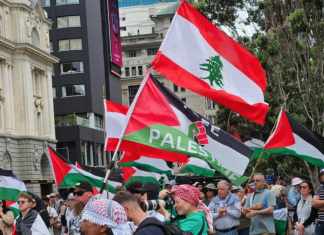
[{"x": 26, "y": 99}]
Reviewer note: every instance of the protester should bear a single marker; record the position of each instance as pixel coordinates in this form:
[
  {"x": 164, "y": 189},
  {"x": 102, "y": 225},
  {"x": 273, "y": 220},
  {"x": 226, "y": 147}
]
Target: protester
[
  {"x": 103, "y": 217},
  {"x": 169, "y": 185},
  {"x": 199, "y": 186},
  {"x": 203, "y": 197},
  {"x": 6, "y": 218},
  {"x": 52, "y": 215},
  {"x": 226, "y": 210},
  {"x": 119, "y": 188},
  {"x": 66, "y": 211},
  {"x": 187, "y": 203},
  {"x": 132, "y": 186},
  {"x": 211, "y": 192},
  {"x": 305, "y": 214},
  {"x": 150, "y": 191},
  {"x": 277, "y": 190},
  {"x": 29, "y": 222},
  {"x": 54, "y": 203},
  {"x": 40, "y": 207},
  {"x": 259, "y": 207},
  {"x": 294, "y": 192},
  {"x": 318, "y": 202},
  {"x": 271, "y": 184},
  {"x": 284, "y": 190},
  {"x": 82, "y": 191},
  {"x": 135, "y": 214},
  {"x": 245, "y": 223}
]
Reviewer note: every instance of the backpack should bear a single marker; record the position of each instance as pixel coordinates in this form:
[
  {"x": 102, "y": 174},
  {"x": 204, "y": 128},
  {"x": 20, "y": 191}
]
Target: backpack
[{"x": 168, "y": 228}]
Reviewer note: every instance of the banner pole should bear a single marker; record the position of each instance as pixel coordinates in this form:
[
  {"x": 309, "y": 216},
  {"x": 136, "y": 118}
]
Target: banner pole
[
  {"x": 256, "y": 165},
  {"x": 129, "y": 114},
  {"x": 104, "y": 122}
]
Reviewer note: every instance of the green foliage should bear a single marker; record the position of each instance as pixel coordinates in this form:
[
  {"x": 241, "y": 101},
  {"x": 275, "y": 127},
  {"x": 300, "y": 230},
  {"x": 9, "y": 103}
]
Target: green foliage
[{"x": 298, "y": 21}]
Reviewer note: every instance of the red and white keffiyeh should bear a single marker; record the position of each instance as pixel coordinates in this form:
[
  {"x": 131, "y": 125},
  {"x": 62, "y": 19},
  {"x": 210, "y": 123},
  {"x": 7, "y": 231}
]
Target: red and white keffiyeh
[
  {"x": 107, "y": 212},
  {"x": 191, "y": 195}
]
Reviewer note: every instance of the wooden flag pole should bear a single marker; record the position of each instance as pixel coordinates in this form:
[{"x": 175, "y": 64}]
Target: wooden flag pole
[
  {"x": 256, "y": 165},
  {"x": 129, "y": 114},
  {"x": 104, "y": 122}
]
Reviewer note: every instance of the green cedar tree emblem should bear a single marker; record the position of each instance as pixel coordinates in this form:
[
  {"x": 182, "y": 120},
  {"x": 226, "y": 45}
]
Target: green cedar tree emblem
[{"x": 214, "y": 67}]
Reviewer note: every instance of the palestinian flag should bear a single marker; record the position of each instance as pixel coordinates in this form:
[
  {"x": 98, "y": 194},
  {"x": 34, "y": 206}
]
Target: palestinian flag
[
  {"x": 292, "y": 138},
  {"x": 198, "y": 167},
  {"x": 280, "y": 221},
  {"x": 132, "y": 174},
  {"x": 164, "y": 127},
  {"x": 147, "y": 164},
  {"x": 257, "y": 145},
  {"x": 67, "y": 175},
  {"x": 33, "y": 224},
  {"x": 10, "y": 186},
  {"x": 200, "y": 57},
  {"x": 13, "y": 206}
]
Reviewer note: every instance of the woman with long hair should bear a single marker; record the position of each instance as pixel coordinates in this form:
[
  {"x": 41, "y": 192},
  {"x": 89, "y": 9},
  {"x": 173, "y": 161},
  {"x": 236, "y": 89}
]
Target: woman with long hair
[
  {"x": 6, "y": 218},
  {"x": 305, "y": 214}
]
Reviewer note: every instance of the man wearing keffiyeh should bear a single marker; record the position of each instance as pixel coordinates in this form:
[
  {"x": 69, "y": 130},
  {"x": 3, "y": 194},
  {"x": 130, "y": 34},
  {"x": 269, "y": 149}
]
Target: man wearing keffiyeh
[
  {"x": 187, "y": 203},
  {"x": 104, "y": 217}
]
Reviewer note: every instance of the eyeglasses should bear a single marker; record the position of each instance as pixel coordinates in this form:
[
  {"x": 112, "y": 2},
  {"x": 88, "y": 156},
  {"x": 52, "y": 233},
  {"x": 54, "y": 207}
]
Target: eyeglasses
[
  {"x": 168, "y": 187},
  {"x": 235, "y": 191},
  {"x": 322, "y": 173},
  {"x": 52, "y": 197},
  {"x": 79, "y": 193},
  {"x": 257, "y": 180},
  {"x": 21, "y": 202},
  {"x": 70, "y": 200},
  {"x": 304, "y": 187}
]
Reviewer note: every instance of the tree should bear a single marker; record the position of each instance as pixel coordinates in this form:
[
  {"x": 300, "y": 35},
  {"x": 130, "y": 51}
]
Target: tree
[{"x": 288, "y": 41}]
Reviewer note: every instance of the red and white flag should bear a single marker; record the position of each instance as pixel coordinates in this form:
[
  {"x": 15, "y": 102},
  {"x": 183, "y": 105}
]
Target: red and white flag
[{"x": 200, "y": 57}]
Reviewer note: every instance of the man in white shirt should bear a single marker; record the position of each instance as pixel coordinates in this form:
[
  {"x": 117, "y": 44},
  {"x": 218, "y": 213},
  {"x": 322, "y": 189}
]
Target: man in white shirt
[{"x": 52, "y": 214}]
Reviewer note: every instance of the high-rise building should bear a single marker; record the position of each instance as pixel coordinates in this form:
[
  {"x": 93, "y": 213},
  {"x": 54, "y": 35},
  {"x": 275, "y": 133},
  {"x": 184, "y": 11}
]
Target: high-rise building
[
  {"x": 26, "y": 100},
  {"x": 79, "y": 37}
]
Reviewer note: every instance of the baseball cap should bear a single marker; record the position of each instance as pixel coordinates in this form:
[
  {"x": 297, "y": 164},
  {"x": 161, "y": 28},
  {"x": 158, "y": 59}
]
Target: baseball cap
[
  {"x": 82, "y": 185},
  {"x": 149, "y": 187},
  {"x": 170, "y": 183}
]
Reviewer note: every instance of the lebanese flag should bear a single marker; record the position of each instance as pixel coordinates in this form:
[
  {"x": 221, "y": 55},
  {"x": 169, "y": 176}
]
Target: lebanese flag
[
  {"x": 132, "y": 174},
  {"x": 147, "y": 164},
  {"x": 162, "y": 126},
  {"x": 200, "y": 57},
  {"x": 292, "y": 138},
  {"x": 67, "y": 174}
]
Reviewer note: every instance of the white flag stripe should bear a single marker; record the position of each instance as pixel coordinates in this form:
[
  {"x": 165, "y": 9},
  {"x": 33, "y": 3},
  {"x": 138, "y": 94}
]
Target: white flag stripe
[
  {"x": 114, "y": 122},
  {"x": 255, "y": 143},
  {"x": 235, "y": 82},
  {"x": 9, "y": 182},
  {"x": 154, "y": 162}
]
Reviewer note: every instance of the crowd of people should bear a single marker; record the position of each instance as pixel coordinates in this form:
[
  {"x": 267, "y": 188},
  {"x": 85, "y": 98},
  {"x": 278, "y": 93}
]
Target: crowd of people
[{"x": 145, "y": 209}]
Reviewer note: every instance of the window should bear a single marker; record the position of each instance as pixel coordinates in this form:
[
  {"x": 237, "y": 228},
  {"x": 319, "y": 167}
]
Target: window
[
  {"x": 36, "y": 83},
  {"x": 72, "y": 67},
  {"x": 53, "y": 70},
  {"x": 68, "y": 21},
  {"x": 134, "y": 53},
  {"x": 100, "y": 154},
  {"x": 62, "y": 2},
  {"x": 87, "y": 153},
  {"x": 51, "y": 46},
  {"x": 175, "y": 88},
  {"x": 127, "y": 72},
  {"x": 132, "y": 90},
  {"x": 171, "y": 20},
  {"x": 70, "y": 44},
  {"x": 45, "y": 3},
  {"x": 122, "y": 19},
  {"x": 210, "y": 104},
  {"x": 50, "y": 26},
  {"x": 98, "y": 122},
  {"x": 183, "y": 89},
  {"x": 210, "y": 118},
  {"x": 73, "y": 90},
  {"x": 133, "y": 71},
  {"x": 123, "y": 28},
  {"x": 35, "y": 38},
  {"x": 140, "y": 70},
  {"x": 184, "y": 100},
  {"x": 152, "y": 51},
  {"x": 54, "y": 92},
  {"x": 161, "y": 35},
  {"x": 153, "y": 30}
]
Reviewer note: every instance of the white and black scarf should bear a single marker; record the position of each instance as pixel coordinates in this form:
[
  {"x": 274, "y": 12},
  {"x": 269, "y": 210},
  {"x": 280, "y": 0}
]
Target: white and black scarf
[{"x": 303, "y": 212}]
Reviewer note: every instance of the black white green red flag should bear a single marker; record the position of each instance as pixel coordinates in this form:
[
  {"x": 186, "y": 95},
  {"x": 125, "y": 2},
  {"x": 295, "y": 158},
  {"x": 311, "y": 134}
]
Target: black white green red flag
[
  {"x": 198, "y": 56},
  {"x": 197, "y": 166},
  {"x": 132, "y": 174},
  {"x": 10, "y": 186},
  {"x": 292, "y": 138},
  {"x": 67, "y": 174}
]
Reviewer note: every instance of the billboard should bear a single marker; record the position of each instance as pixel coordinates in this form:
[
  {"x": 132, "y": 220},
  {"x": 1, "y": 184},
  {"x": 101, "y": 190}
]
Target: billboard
[{"x": 115, "y": 40}]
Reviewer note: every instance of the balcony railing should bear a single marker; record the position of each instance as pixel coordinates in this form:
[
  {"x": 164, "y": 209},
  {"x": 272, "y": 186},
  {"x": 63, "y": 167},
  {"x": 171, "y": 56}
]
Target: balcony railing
[{"x": 71, "y": 120}]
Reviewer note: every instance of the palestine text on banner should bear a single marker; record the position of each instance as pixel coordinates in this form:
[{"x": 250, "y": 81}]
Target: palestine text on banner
[
  {"x": 10, "y": 186},
  {"x": 228, "y": 150},
  {"x": 67, "y": 175},
  {"x": 292, "y": 138},
  {"x": 198, "y": 56}
]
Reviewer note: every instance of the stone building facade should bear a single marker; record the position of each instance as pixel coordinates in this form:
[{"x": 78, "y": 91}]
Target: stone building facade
[{"x": 26, "y": 99}]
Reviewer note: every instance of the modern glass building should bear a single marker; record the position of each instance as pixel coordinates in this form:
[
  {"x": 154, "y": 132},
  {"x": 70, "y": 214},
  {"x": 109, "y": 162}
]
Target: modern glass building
[{"x": 130, "y": 3}]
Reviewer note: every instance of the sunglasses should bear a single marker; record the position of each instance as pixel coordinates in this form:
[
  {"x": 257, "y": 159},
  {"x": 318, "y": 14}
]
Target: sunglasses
[
  {"x": 210, "y": 190},
  {"x": 79, "y": 193},
  {"x": 21, "y": 202},
  {"x": 70, "y": 200},
  {"x": 235, "y": 191},
  {"x": 168, "y": 187},
  {"x": 322, "y": 173},
  {"x": 304, "y": 187},
  {"x": 52, "y": 197},
  {"x": 257, "y": 180},
  {"x": 142, "y": 193}
]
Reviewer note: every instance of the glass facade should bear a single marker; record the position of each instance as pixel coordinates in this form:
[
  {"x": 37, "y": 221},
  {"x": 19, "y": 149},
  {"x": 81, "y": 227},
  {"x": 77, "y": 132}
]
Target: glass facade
[{"x": 129, "y": 3}]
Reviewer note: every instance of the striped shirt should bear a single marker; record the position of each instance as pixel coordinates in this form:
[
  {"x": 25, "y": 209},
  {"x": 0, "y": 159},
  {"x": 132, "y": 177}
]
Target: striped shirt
[{"x": 320, "y": 193}]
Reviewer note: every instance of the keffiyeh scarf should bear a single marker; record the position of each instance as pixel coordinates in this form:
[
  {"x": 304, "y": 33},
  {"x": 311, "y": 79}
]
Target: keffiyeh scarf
[
  {"x": 107, "y": 212},
  {"x": 191, "y": 195}
]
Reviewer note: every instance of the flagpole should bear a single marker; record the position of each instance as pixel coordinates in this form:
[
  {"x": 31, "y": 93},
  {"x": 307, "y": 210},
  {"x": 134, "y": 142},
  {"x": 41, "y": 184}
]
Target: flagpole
[
  {"x": 129, "y": 114},
  {"x": 256, "y": 165},
  {"x": 104, "y": 122}
]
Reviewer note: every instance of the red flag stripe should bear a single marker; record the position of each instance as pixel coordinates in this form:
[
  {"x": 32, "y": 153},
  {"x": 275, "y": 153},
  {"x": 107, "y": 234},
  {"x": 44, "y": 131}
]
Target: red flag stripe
[{"x": 117, "y": 108}]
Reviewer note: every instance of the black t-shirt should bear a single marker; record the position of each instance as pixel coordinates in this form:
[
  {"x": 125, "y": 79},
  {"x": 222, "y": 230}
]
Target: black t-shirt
[{"x": 150, "y": 229}]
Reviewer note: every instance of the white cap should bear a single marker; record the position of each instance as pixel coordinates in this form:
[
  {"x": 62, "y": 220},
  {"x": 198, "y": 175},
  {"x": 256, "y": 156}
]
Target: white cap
[
  {"x": 322, "y": 170},
  {"x": 296, "y": 181}
]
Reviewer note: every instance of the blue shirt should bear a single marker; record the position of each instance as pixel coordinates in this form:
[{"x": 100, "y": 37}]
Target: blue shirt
[{"x": 150, "y": 229}]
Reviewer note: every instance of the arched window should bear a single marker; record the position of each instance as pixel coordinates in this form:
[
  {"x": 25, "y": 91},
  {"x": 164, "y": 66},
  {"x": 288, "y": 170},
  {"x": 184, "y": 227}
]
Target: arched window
[
  {"x": 6, "y": 161},
  {"x": 35, "y": 38}
]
